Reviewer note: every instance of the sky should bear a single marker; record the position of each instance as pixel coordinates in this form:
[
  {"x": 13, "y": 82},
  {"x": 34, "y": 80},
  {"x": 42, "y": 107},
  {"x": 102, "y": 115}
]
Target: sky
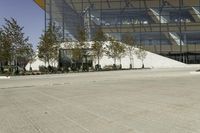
[{"x": 28, "y": 15}]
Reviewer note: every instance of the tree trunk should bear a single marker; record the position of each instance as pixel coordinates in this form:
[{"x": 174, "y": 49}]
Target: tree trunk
[
  {"x": 130, "y": 57},
  {"x": 131, "y": 63},
  {"x": 115, "y": 61},
  {"x": 82, "y": 64},
  {"x": 98, "y": 60},
  {"x": 120, "y": 63},
  {"x": 30, "y": 67},
  {"x": 9, "y": 69},
  {"x": 48, "y": 62},
  {"x": 142, "y": 64}
]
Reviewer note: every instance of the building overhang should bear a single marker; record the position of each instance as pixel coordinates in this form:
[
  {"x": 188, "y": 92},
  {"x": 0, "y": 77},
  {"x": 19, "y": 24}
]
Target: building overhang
[
  {"x": 41, "y": 3},
  {"x": 75, "y": 4}
]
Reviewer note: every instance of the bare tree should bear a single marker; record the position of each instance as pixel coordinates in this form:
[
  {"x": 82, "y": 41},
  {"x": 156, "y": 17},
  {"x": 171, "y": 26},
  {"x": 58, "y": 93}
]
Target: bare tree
[
  {"x": 82, "y": 37},
  {"x": 131, "y": 43},
  {"x": 121, "y": 52},
  {"x": 115, "y": 50},
  {"x": 97, "y": 45},
  {"x": 79, "y": 47},
  {"x": 141, "y": 55}
]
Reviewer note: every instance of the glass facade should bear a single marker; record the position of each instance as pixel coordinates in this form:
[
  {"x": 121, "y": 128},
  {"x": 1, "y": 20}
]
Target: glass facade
[{"x": 167, "y": 27}]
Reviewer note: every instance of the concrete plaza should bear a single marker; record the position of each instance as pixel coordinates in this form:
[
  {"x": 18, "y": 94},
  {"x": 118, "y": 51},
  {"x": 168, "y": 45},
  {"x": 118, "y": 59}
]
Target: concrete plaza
[{"x": 138, "y": 101}]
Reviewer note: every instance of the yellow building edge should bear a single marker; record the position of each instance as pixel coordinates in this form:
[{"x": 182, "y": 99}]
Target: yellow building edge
[{"x": 40, "y": 3}]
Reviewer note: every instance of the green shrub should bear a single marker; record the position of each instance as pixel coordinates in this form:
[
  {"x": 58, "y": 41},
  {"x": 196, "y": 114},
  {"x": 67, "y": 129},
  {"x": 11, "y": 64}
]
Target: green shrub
[{"x": 43, "y": 69}]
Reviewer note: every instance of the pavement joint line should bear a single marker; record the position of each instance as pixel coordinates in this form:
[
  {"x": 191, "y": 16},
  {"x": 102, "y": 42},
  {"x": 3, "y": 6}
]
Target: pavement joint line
[
  {"x": 30, "y": 86},
  {"x": 84, "y": 109},
  {"x": 65, "y": 117},
  {"x": 29, "y": 120},
  {"x": 18, "y": 87}
]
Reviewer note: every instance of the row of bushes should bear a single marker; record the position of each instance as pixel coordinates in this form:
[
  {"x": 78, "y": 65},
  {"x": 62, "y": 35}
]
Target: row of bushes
[
  {"x": 11, "y": 70},
  {"x": 51, "y": 69},
  {"x": 48, "y": 69},
  {"x": 85, "y": 68},
  {"x": 55, "y": 70}
]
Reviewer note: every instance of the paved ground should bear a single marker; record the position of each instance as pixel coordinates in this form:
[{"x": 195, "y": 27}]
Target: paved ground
[{"x": 147, "y": 101}]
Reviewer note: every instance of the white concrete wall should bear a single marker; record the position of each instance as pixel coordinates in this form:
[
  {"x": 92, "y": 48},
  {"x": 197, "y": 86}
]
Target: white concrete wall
[
  {"x": 152, "y": 61},
  {"x": 37, "y": 63}
]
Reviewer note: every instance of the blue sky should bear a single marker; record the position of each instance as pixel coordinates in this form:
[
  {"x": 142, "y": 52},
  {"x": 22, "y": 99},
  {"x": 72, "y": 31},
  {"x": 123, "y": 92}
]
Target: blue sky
[{"x": 27, "y": 13}]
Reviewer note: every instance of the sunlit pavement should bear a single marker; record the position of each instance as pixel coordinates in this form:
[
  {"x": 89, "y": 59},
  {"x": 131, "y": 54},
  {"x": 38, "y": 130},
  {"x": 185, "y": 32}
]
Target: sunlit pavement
[{"x": 142, "y": 101}]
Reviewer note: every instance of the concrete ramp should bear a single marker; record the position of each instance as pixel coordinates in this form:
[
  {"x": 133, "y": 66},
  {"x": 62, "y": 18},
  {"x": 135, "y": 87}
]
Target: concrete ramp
[{"x": 152, "y": 61}]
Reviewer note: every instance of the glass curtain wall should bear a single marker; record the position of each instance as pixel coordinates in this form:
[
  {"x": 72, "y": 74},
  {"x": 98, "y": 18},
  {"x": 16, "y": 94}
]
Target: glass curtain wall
[
  {"x": 167, "y": 27},
  {"x": 64, "y": 17}
]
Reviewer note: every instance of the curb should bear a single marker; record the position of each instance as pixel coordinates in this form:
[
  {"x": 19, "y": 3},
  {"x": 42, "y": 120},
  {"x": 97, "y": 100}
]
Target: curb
[
  {"x": 4, "y": 77},
  {"x": 195, "y": 73}
]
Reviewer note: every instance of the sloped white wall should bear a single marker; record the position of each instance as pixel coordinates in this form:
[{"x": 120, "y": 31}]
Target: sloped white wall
[
  {"x": 152, "y": 61},
  {"x": 157, "y": 61}
]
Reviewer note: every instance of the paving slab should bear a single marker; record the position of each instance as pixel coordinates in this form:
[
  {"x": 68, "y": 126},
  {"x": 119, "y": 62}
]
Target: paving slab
[{"x": 142, "y": 101}]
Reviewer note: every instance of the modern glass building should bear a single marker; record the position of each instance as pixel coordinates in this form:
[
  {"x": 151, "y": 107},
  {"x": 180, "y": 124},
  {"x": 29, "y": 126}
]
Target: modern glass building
[{"x": 167, "y": 27}]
